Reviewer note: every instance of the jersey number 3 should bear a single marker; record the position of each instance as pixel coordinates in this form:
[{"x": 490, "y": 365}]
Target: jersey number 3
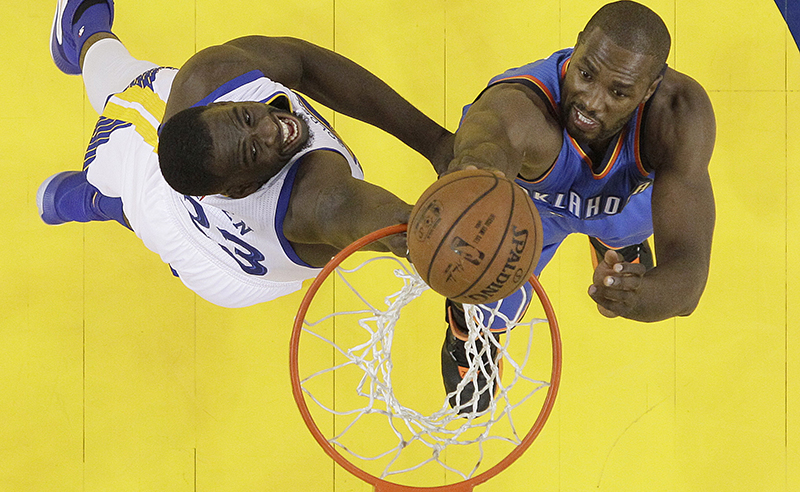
[{"x": 248, "y": 257}]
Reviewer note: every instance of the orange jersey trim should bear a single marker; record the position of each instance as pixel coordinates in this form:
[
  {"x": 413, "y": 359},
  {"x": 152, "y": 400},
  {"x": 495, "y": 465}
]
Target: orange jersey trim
[
  {"x": 613, "y": 159},
  {"x": 636, "y": 145},
  {"x": 544, "y": 176},
  {"x": 538, "y": 83}
]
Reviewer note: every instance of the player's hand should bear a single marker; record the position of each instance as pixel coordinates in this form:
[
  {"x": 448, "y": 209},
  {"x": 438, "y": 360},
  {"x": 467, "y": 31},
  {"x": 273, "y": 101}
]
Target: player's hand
[
  {"x": 466, "y": 165},
  {"x": 616, "y": 284},
  {"x": 397, "y": 244}
]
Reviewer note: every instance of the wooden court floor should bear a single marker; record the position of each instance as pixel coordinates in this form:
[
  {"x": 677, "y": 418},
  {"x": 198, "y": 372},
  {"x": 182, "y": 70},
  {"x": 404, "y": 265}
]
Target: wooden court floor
[{"x": 115, "y": 377}]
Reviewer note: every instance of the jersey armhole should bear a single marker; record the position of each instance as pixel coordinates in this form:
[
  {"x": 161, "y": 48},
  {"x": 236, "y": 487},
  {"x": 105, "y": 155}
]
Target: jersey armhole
[
  {"x": 280, "y": 214},
  {"x": 283, "y": 205},
  {"x": 537, "y": 87},
  {"x": 229, "y": 86},
  {"x": 547, "y": 98},
  {"x": 640, "y": 140}
]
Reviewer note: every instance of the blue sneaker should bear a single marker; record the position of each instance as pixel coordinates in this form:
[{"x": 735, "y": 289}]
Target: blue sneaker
[
  {"x": 69, "y": 197},
  {"x": 64, "y": 48},
  {"x": 51, "y": 192}
]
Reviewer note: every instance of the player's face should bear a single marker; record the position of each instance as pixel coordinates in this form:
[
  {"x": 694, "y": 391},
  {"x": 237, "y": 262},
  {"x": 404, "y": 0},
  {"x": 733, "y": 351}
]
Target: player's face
[
  {"x": 252, "y": 142},
  {"x": 603, "y": 85}
]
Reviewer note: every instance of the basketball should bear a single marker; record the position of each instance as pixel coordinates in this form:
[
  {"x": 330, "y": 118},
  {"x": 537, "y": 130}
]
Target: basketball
[{"x": 474, "y": 236}]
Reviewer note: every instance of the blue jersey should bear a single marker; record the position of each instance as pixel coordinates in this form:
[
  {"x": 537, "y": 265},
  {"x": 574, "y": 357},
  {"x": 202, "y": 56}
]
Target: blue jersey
[{"x": 609, "y": 200}]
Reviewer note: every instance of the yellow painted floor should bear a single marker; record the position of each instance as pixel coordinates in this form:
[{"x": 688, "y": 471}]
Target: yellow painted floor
[{"x": 115, "y": 377}]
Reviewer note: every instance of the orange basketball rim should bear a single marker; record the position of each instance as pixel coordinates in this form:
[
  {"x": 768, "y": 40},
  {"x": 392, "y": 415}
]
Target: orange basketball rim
[{"x": 382, "y": 484}]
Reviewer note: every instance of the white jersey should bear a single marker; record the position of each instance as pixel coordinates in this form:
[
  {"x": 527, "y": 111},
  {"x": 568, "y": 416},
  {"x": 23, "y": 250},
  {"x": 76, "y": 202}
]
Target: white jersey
[{"x": 231, "y": 252}]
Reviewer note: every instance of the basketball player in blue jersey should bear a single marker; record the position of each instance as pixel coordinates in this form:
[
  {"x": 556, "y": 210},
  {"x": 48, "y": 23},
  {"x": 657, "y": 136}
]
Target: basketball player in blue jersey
[
  {"x": 611, "y": 143},
  {"x": 245, "y": 190}
]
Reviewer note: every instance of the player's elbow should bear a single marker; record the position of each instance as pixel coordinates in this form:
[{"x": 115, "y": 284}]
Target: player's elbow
[
  {"x": 688, "y": 308},
  {"x": 690, "y": 300},
  {"x": 676, "y": 298}
]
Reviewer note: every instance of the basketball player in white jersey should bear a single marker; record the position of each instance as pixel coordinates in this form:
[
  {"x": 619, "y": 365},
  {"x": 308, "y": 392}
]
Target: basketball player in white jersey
[{"x": 220, "y": 167}]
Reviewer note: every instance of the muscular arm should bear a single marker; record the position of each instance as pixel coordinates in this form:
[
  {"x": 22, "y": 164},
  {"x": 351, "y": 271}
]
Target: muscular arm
[
  {"x": 323, "y": 75},
  {"x": 679, "y": 144},
  {"x": 508, "y": 129},
  {"x": 331, "y": 208}
]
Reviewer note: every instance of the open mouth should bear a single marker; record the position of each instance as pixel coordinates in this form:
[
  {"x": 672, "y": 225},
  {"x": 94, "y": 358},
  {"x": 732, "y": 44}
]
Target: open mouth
[
  {"x": 290, "y": 132},
  {"x": 584, "y": 122}
]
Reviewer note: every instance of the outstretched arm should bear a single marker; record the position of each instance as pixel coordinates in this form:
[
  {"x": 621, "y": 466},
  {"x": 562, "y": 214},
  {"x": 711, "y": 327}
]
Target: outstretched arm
[
  {"x": 507, "y": 129},
  {"x": 330, "y": 207},
  {"x": 679, "y": 145},
  {"x": 321, "y": 74}
]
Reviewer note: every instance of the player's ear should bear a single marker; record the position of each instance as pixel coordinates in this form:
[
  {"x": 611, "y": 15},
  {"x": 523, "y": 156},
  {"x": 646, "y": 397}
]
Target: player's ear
[
  {"x": 662, "y": 69},
  {"x": 652, "y": 89}
]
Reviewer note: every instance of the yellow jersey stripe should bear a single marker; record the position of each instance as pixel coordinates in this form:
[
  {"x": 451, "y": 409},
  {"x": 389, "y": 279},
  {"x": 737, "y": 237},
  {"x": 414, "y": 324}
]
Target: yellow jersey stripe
[
  {"x": 147, "y": 98},
  {"x": 142, "y": 99},
  {"x": 143, "y": 127}
]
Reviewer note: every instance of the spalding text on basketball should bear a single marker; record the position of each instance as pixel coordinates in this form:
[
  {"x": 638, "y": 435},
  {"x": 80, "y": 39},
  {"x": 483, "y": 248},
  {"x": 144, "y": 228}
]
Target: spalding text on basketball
[{"x": 511, "y": 269}]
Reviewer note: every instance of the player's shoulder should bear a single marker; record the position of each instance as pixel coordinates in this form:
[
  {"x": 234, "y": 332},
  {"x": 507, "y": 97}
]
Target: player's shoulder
[
  {"x": 679, "y": 100},
  {"x": 679, "y": 121},
  {"x": 204, "y": 72}
]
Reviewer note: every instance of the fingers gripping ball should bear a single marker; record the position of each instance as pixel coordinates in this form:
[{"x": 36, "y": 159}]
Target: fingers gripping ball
[{"x": 474, "y": 237}]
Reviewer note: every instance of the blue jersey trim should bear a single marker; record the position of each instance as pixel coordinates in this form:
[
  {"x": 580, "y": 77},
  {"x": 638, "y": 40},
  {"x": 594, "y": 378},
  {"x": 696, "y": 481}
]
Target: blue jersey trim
[
  {"x": 327, "y": 125},
  {"x": 229, "y": 86},
  {"x": 312, "y": 110},
  {"x": 280, "y": 214},
  {"x": 283, "y": 207},
  {"x": 275, "y": 95},
  {"x": 102, "y": 132}
]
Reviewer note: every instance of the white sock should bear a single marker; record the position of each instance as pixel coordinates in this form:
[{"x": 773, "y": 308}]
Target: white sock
[{"x": 108, "y": 68}]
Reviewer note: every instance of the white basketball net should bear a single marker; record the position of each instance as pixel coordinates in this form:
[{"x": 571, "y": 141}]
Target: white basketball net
[{"x": 443, "y": 428}]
